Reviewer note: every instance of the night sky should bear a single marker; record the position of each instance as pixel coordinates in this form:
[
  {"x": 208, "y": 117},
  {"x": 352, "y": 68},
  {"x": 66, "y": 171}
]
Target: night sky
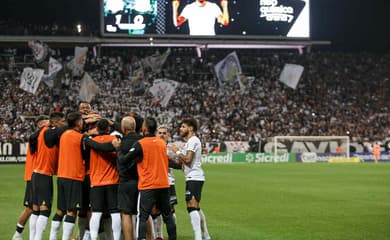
[{"x": 351, "y": 25}]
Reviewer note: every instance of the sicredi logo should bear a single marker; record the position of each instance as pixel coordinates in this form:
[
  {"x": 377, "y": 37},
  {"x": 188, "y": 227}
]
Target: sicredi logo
[{"x": 273, "y": 12}]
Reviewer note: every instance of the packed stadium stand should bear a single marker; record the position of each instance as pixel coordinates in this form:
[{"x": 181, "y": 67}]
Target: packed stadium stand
[{"x": 338, "y": 94}]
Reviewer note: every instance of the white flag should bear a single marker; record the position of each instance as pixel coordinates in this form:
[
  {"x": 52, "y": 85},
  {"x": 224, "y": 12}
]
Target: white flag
[
  {"x": 54, "y": 68},
  {"x": 30, "y": 79},
  {"x": 228, "y": 70},
  {"x": 163, "y": 90},
  {"x": 245, "y": 82},
  {"x": 155, "y": 62},
  {"x": 88, "y": 88},
  {"x": 77, "y": 63},
  {"x": 39, "y": 50},
  {"x": 291, "y": 74}
]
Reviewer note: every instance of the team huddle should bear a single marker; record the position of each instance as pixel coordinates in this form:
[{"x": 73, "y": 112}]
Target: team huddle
[{"x": 116, "y": 180}]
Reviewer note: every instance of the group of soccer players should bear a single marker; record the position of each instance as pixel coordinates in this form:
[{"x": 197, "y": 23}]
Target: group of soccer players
[{"x": 115, "y": 178}]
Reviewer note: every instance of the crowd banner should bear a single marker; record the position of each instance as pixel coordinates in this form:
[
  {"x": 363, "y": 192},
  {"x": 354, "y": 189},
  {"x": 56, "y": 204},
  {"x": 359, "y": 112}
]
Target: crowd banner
[
  {"x": 88, "y": 88},
  {"x": 291, "y": 74},
  {"x": 39, "y": 49},
  {"x": 30, "y": 79},
  {"x": 228, "y": 70},
  {"x": 162, "y": 90},
  {"x": 78, "y": 62}
]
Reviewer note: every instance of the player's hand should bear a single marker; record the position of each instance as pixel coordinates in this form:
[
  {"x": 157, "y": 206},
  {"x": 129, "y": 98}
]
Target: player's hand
[
  {"x": 174, "y": 148},
  {"x": 224, "y": 3},
  {"x": 116, "y": 142},
  {"x": 92, "y": 118},
  {"x": 175, "y": 4}
]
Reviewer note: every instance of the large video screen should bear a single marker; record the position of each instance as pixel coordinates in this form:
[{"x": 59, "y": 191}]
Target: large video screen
[{"x": 208, "y": 18}]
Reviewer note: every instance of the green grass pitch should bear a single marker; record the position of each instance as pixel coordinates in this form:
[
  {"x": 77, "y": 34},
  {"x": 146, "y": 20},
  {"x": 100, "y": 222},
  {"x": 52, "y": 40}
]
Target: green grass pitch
[{"x": 287, "y": 201}]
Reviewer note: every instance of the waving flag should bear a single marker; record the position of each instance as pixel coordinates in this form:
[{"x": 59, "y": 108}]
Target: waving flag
[
  {"x": 39, "y": 50},
  {"x": 155, "y": 62},
  {"x": 291, "y": 74},
  {"x": 88, "y": 88},
  {"x": 228, "y": 70},
  {"x": 30, "y": 79},
  {"x": 78, "y": 62},
  {"x": 54, "y": 68},
  {"x": 163, "y": 90}
]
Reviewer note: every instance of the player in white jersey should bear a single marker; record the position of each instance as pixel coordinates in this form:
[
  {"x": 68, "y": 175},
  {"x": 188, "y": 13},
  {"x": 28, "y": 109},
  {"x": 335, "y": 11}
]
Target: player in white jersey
[
  {"x": 201, "y": 16},
  {"x": 192, "y": 162}
]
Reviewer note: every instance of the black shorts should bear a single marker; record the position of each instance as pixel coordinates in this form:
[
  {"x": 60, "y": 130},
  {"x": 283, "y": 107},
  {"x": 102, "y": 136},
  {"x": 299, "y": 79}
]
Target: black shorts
[
  {"x": 128, "y": 196},
  {"x": 86, "y": 202},
  {"x": 70, "y": 194},
  {"x": 28, "y": 195},
  {"x": 172, "y": 195},
  {"x": 42, "y": 186},
  {"x": 104, "y": 198},
  {"x": 194, "y": 188}
]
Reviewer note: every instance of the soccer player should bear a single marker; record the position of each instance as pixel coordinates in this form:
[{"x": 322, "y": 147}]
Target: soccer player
[
  {"x": 376, "y": 151},
  {"x": 128, "y": 177},
  {"x": 192, "y": 161},
  {"x": 201, "y": 16},
  {"x": 162, "y": 132},
  {"x": 71, "y": 170},
  {"x": 45, "y": 166},
  {"x": 28, "y": 198},
  {"x": 150, "y": 155},
  {"x": 104, "y": 184}
]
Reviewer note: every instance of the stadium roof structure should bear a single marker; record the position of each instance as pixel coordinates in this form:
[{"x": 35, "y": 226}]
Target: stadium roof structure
[{"x": 234, "y": 43}]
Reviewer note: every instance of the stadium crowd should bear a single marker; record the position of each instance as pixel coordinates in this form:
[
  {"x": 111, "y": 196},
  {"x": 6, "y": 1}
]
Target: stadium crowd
[{"x": 338, "y": 94}]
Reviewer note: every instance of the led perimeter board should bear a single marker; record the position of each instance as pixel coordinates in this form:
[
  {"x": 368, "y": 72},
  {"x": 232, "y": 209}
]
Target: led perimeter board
[{"x": 206, "y": 18}]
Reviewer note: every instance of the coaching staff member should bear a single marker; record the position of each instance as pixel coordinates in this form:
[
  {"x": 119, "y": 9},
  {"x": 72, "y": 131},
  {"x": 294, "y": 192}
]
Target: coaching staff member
[{"x": 150, "y": 154}]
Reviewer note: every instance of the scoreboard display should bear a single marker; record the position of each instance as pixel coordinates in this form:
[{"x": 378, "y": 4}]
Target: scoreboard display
[{"x": 206, "y": 18}]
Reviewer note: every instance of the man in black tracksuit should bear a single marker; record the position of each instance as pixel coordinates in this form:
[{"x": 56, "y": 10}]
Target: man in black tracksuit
[{"x": 128, "y": 176}]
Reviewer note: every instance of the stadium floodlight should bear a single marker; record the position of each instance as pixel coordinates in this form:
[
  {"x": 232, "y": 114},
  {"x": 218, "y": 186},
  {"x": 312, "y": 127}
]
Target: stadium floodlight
[{"x": 313, "y": 148}]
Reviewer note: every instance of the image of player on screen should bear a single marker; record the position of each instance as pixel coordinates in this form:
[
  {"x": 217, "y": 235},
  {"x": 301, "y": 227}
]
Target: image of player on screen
[{"x": 201, "y": 16}]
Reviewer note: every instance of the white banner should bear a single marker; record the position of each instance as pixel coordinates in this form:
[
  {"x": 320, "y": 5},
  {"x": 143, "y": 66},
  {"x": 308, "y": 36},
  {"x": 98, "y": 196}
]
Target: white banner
[
  {"x": 228, "y": 70},
  {"x": 291, "y": 74},
  {"x": 77, "y": 63},
  {"x": 162, "y": 90},
  {"x": 54, "y": 68},
  {"x": 88, "y": 88},
  {"x": 155, "y": 62},
  {"x": 245, "y": 82},
  {"x": 39, "y": 50},
  {"x": 30, "y": 79}
]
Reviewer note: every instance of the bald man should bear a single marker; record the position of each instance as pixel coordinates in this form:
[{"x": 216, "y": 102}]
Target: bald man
[{"x": 128, "y": 178}]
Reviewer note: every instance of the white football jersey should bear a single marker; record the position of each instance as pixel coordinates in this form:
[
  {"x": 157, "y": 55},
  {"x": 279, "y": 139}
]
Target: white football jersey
[{"x": 194, "y": 172}]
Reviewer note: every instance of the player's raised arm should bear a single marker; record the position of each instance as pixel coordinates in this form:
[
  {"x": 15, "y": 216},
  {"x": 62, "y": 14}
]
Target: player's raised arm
[
  {"x": 224, "y": 17},
  {"x": 177, "y": 20}
]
